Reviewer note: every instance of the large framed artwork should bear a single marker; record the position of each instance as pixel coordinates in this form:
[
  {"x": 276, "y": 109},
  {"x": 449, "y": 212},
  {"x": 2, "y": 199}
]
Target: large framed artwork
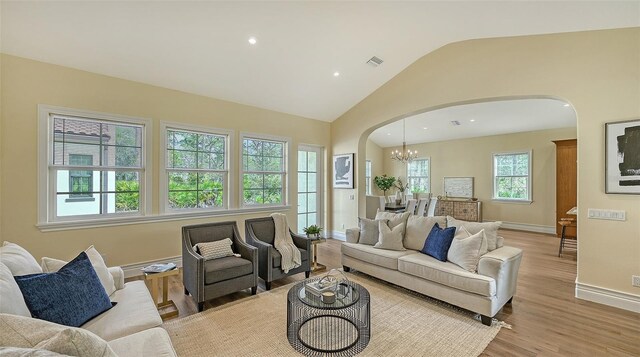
[
  {"x": 458, "y": 187},
  {"x": 622, "y": 157},
  {"x": 343, "y": 171}
]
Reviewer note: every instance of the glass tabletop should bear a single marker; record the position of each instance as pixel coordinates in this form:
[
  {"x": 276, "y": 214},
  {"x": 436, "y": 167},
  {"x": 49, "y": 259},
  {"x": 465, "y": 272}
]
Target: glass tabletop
[{"x": 347, "y": 294}]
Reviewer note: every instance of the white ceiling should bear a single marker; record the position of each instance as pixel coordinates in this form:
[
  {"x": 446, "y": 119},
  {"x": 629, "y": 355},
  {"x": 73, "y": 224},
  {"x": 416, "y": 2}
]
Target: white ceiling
[
  {"x": 202, "y": 47},
  {"x": 489, "y": 118}
]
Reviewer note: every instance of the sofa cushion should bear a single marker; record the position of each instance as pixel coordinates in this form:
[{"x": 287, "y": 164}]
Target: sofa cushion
[
  {"x": 221, "y": 269},
  {"x": 27, "y": 332},
  {"x": 277, "y": 257},
  {"x": 26, "y": 352},
  {"x": 466, "y": 249},
  {"x": 11, "y": 300},
  {"x": 390, "y": 238},
  {"x": 215, "y": 249},
  {"x": 382, "y": 257},
  {"x": 490, "y": 229},
  {"x": 369, "y": 230},
  {"x": 50, "y": 265},
  {"x": 18, "y": 260},
  {"x": 154, "y": 342},
  {"x": 417, "y": 229},
  {"x": 446, "y": 273},
  {"x": 394, "y": 219},
  {"x": 71, "y": 296},
  {"x": 134, "y": 312},
  {"x": 438, "y": 242}
]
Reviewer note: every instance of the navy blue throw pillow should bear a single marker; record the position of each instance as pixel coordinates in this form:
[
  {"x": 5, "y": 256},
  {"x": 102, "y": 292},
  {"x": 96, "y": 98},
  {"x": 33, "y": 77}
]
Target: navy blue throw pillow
[
  {"x": 438, "y": 242},
  {"x": 71, "y": 296}
]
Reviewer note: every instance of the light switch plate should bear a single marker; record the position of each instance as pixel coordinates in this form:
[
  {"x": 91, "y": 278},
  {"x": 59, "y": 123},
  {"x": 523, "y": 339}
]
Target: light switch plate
[{"x": 612, "y": 215}]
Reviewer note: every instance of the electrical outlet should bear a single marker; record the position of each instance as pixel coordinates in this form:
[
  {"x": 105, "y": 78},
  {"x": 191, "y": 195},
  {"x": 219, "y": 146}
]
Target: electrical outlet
[{"x": 635, "y": 280}]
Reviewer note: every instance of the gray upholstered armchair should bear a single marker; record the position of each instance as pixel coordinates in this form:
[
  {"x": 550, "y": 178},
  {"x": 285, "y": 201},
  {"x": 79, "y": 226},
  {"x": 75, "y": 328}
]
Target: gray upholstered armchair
[
  {"x": 260, "y": 233},
  {"x": 208, "y": 279}
]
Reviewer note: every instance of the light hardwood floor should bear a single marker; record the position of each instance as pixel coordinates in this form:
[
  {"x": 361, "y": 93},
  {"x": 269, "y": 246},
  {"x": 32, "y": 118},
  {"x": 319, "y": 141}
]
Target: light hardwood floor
[{"x": 546, "y": 318}]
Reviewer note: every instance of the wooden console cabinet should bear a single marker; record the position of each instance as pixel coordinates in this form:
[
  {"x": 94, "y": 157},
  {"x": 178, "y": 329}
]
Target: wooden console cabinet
[{"x": 463, "y": 210}]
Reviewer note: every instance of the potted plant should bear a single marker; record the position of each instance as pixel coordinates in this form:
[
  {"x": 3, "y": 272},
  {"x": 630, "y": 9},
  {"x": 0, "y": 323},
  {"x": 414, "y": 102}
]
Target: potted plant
[
  {"x": 384, "y": 183},
  {"x": 313, "y": 231},
  {"x": 401, "y": 188}
]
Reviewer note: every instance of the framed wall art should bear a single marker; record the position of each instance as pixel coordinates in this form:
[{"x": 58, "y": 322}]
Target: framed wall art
[
  {"x": 622, "y": 157},
  {"x": 458, "y": 187},
  {"x": 343, "y": 171}
]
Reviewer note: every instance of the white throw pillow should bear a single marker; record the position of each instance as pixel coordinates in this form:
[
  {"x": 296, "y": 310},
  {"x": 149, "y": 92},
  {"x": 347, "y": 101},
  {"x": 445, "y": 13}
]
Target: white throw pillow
[
  {"x": 418, "y": 229},
  {"x": 11, "y": 300},
  {"x": 50, "y": 265},
  {"x": 500, "y": 242},
  {"x": 490, "y": 229},
  {"x": 18, "y": 260},
  {"x": 216, "y": 249},
  {"x": 27, "y": 332},
  {"x": 466, "y": 248},
  {"x": 390, "y": 238}
]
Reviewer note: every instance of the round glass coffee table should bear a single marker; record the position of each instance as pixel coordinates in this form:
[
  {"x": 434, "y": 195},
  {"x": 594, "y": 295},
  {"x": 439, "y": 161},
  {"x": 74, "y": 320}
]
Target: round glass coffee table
[{"x": 342, "y": 328}]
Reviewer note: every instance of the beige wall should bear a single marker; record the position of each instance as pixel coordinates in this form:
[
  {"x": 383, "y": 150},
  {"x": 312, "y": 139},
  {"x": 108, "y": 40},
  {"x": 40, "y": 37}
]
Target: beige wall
[
  {"x": 597, "y": 72},
  {"x": 473, "y": 158},
  {"x": 375, "y": 154},
  {"x": 26, "y": 83}
]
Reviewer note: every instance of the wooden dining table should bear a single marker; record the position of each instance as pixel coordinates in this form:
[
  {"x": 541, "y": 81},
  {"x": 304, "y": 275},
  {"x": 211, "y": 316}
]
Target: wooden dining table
[{"x": 393, "y": 207}]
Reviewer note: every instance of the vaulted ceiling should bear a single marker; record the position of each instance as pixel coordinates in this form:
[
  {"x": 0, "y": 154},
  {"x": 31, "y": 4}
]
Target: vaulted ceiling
[{"x": 203, "y": 48}]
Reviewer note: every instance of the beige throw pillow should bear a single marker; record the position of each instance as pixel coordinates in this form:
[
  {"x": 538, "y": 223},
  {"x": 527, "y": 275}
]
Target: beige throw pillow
[
  {"x": 11, "y": 299},
  {"x": 394, "y": 219},
  {"x": 50, "y": 265},
  {"x": 490, "y": 229},
  {"x": 18, "y": 260},
  {"x": 216, "y": 249},
  {"x": 418, "y": 229},
  {"x": 27, "y": 332},
  {"x": 369, "y": 231},
  {"x": 390, "y": 238},
  {"x": 465, "y": 250}
]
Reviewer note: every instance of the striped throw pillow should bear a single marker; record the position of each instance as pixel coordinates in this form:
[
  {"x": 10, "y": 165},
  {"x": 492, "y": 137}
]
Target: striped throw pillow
[{"x": 216, "y": 249}]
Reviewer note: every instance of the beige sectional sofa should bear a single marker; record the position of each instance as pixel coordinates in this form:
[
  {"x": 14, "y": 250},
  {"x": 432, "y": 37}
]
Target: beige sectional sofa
[
  {"x": 484, "y": 292},
  {"x": 132, "y": 327}
]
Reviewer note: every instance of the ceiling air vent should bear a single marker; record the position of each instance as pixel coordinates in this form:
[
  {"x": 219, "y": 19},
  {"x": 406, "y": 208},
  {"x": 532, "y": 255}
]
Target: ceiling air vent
[
  {"x": 455, "y": 123},
  {"x": 374, "y": 61}
]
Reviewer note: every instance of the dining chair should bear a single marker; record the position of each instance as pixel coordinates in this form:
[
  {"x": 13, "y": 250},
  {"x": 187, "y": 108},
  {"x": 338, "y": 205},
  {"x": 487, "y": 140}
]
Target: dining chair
[
  {"x": 411, "y": 206},
  {"x": 432, "y": 207},
  {"x": 422, "y": 206}
]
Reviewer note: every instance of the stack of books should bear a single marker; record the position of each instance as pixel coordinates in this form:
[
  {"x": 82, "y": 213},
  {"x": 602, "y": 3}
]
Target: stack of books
[
  {"x": 158, "y": 268},
  {"x": 314, "y": 288}
]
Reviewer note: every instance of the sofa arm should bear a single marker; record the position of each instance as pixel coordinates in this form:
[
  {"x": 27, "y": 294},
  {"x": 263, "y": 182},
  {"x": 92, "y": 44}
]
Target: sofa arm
[
  {"x": 502, "y": 265},
  {"x": 352, "y": 235},
  {"x": 118, "y": 277}
]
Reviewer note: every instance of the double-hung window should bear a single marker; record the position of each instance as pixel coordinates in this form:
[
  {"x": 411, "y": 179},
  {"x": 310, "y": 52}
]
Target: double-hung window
[
  {"x": 92, "y": 165},
  {"x": 196, "y": 168},
  {"x": 512, "y": 176},
  {"x": 367, "y": 177},
  {"x": 418, "y": 175},
  {"x": 264, "y": 170}
]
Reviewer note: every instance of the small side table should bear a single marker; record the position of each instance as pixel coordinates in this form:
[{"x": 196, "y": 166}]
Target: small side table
[
  {"x": 154, "y": 278},
  {"x": 314, "y": 246}
]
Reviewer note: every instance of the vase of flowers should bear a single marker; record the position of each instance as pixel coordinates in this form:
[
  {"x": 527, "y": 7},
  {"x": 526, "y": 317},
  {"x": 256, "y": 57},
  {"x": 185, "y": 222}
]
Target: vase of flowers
[{"x": 400, "y": 196}]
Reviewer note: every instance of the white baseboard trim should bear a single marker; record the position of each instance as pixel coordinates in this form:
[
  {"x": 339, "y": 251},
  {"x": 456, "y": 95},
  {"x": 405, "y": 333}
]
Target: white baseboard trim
[
  {"x": 608, "y": 297},
  {"x": 131, "y": 270},
  {"x": 529, "y": 227},
  {"x": 339, "y": 235}
]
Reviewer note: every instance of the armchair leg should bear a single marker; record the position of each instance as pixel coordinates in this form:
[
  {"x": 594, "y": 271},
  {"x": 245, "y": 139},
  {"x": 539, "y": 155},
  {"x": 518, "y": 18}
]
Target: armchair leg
[
  {"x": 346, "y": 268},
  {"x": 486, "y": 320},
  {"x": 186, "y": 292},
  {"x": 254, "y": 290},
  {"x": 200, "y": 306},
  {"x": 510, "y": 301},
  {"x": 307, "y": 273},
  {"x": 267, "y": 285}
]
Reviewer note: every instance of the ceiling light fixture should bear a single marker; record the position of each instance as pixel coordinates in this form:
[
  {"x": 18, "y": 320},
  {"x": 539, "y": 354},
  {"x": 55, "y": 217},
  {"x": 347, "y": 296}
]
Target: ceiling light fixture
[
  {"x": 252, "y": 40},
  {"x": 405, "y": 156},
  {"x": 472, "y": 120},
  {"x": 424, "y": 128},
  {"x": 336, "y": 74},
  {"x": 565, "y": 105}
]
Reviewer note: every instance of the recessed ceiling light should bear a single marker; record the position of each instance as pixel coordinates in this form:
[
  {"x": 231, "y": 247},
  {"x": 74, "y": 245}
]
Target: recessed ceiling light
[
  {"x": 252, "y": 40},
  {"x": 336, "y": 74},
  {"x": 565, "y": 105},
  {"x": 425, "y": 128},
  {"x": 472, "y": 120},
  {"x": 388, "y": 133}
]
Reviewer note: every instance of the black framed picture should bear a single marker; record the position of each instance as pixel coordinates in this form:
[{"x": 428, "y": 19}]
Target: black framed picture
[
  {"x": 343, "y": 171},
  {"x": 622, "y": 157}
]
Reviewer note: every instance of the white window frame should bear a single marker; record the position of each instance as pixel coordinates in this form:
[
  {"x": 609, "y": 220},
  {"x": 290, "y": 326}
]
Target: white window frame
[
  {"x": 285, "y": 179},
  {"x": 47, "y": 183},
  {"x": 529, "y": 176},
  {"x": 428, "y": 159},
  {"x": 164, "y": 171},
  {"x": 368, "y": 166}
]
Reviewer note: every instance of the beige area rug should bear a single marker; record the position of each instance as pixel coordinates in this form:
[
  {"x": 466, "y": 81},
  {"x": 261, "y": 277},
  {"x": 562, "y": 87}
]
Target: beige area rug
[{"x": 403, "y": 324}]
